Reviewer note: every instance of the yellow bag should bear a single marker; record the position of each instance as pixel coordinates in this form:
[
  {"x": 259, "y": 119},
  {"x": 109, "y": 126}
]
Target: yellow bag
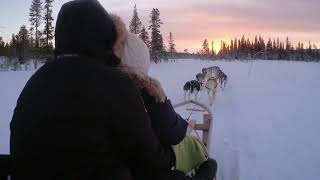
[{"x": 190, "y": 153}]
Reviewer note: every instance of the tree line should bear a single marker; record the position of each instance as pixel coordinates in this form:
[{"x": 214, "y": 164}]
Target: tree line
[
  {"x": 244, "y": 48},
  {"x": 36, "y": 43},
  {"x": 238, "y": 49},
  {"x": 156, "y": 42},
  {"x": 33, "y": 42}
]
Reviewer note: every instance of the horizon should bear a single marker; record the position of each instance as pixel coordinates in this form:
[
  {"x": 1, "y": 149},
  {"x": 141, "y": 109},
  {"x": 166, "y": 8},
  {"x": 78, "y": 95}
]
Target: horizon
[{"x": 193, "y": 21}]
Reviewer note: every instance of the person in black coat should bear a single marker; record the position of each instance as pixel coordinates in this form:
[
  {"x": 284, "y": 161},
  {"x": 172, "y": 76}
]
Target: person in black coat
[{"x": 80, "y": 116}]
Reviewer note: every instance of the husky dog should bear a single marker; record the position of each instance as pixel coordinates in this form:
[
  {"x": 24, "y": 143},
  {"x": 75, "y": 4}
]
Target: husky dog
[
  {"x": 191, "y": 87},
  {"x": 222, "y": 78},
  {"x": 201, "y": 78},
  {"x": 211, "y": 71},
  {"x": 211, "y": 86}
]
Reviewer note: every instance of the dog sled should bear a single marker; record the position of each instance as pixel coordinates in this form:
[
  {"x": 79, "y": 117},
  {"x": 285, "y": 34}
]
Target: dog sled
[
  {"x": 205, "y": 126},
  {"x": 201, "y": 136}
]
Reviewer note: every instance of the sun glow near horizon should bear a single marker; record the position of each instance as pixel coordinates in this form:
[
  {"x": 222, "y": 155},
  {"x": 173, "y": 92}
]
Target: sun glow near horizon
[{"x": 195, "y": 20}]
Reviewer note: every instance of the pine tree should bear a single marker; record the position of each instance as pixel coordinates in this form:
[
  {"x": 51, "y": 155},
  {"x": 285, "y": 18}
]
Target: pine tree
[
  {"x": 156, "y": 44},
  {"x": 163, "y": 44},
  {"x": 144, "y": 35},
  {"x": 274, "y": 45},
  {"x": 256, "y": 45},
  {"x": 269, "y": 45},
  {"x": 235, "y": 46},
  {"x": 212, "y": 49},
  {"x": 288, "y": 44},
  {"x": 2, "y": 47},
  {"x": 205, "y": 47},
  {"x": 231, "y": 46},
  {"x": 22, "y": 43},
  {"x": 171, "y": 44},
  {"x": 48, "y": 27},
  {"x": 135, "y": 24},
  {"x": 35, "y": 18}
]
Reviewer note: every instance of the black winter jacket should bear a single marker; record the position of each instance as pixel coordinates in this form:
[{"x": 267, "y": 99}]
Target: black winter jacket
[
  {"x": 78, "y": 118},
  {"x": 169, "y": 126}
]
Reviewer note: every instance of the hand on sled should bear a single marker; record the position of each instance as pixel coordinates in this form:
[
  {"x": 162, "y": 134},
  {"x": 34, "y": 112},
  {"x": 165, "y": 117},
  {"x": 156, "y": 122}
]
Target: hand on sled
[{"x": 191, "y": 126}]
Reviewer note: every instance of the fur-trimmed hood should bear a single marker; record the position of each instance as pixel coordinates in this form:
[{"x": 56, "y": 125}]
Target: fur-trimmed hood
[
  {"x": 144, "y": 82},
  {"x": 130, "y": 49},
  {"x": 135, "y": 60}
]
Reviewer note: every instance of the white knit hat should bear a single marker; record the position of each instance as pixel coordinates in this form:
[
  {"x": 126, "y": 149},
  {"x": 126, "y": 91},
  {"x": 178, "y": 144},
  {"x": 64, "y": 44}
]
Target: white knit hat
[{"x": 136, "y": 55}]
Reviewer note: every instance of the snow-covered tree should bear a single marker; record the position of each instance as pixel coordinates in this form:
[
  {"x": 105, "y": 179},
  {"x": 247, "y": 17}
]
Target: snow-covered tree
[{"x": 135, "y": 24}]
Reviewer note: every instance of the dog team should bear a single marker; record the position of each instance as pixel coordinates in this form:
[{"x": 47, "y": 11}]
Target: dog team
[{"x": 209, "y": 79}]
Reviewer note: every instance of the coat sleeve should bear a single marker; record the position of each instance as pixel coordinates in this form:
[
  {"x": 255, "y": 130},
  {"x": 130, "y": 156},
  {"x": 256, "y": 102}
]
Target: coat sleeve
[
  {"x": 168, "y": 125},
  {"x": 132, "y": 132}
]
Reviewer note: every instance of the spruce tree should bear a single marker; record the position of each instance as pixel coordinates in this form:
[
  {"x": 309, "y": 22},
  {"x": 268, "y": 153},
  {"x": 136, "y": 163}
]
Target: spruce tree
[
  {"x": 156, "y": 44},
  {"x": 35, "y": 18},
  {"x": 135, "y": 24},
  {"x": 144, "y": 35},
  {"x": 48, "y": 19}
]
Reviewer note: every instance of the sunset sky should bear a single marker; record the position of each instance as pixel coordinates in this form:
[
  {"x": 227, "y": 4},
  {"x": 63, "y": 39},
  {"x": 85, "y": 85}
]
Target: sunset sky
[{"x": 191, "y": 21}]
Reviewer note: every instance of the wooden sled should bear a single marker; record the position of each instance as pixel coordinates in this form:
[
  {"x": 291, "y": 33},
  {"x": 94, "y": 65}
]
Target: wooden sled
[{"x": 206, "y": 125}]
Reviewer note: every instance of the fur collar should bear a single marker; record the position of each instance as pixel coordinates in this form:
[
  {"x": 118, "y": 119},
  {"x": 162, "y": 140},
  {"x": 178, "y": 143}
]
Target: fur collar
[
  {"x": 122, "y": 36},
  {"x": 141, "y": 81}
]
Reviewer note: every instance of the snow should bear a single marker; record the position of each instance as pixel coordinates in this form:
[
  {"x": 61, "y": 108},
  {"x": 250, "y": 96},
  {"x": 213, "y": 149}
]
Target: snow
[
  {"x": 11, "y": 84},
  {"x": 265, "y": 125}
]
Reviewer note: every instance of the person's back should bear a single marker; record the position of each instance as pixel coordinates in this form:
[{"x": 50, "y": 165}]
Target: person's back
[{"x": 62, "y": 121}]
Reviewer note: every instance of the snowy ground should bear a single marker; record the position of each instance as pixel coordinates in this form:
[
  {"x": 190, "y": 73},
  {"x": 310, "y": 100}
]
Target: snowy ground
[{"x": 266, "y": 124}]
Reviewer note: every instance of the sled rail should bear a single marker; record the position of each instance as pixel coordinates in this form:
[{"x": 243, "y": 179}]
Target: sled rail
[
  {"x": 205, "y": 127},
  {"x": 195, "y": 103}
]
